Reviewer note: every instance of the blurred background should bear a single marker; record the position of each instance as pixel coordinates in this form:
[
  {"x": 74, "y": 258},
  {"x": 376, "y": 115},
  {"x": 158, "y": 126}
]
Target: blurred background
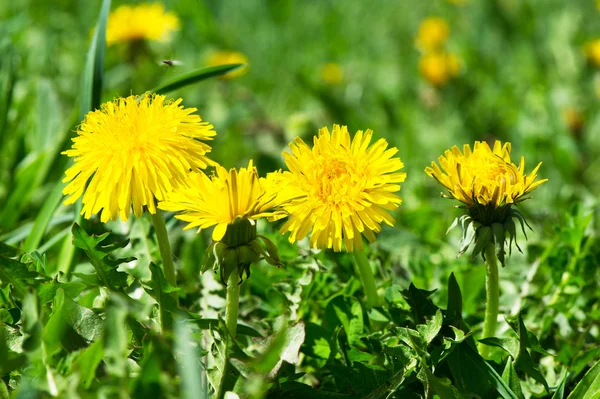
[{"x": 424, "y": 75}]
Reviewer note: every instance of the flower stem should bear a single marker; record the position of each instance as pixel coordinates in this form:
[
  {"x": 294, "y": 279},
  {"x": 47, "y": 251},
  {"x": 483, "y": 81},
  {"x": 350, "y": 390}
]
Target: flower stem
[
  {"x": 367, "y": 278},
  {"x": 164, "y": 246},
  {"x": 492, "y": 296},
  {"x": 232, "y": 302},
  {"x": 167, "y": 263}
]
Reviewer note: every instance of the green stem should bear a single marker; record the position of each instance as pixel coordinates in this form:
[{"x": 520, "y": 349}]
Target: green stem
[
  {"x": 232, "y": 302},
  {"x": 166, "y": 319},
  {"x": 165, "y": 247},
  {"x": 492, "y": 296},
  {"x": 367, "y": 278}
]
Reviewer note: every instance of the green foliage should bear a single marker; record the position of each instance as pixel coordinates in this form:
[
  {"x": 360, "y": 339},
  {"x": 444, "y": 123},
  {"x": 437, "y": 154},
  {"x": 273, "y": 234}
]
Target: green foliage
[{"x": 82, "y": 303}]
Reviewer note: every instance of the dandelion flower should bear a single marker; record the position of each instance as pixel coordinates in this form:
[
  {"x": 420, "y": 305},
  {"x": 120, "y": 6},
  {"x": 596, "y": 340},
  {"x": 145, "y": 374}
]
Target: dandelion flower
[
  {"x": 433, "y": 33},
  {"x": 332, "y": 73},
  {"x": 133, "y": 151},
  {"x": 231, "y": 201},
  {"x": 488, "y": 183},
  {"x": 484, "y": 176},
  {"x": 438, "y": 68},
  {"x": 219, "y": 200},
  {"x": 146, "y": 21},
  {"x": 342, "y": 188},
  {"x": 229, "y": 57},
  {"x": 592, "y": 52}
]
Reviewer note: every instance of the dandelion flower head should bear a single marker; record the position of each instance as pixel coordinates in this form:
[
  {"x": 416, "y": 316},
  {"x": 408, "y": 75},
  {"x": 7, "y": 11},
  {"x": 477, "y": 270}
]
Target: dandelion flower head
[
  {"x": 224, "y": 57},
  {"x": 341, "y": 188},
  {"x": 332, "y": 73},
  {"x": 222, "y": 198},
  {"x": 592, "y": 51},
  {"x": 438, "y": 68},
  {"x": 485, "y": 176},
  {"x": 146, "y": 21},
  {"x": 132, "y": 151},
  {"x": 433, "y": 33}
]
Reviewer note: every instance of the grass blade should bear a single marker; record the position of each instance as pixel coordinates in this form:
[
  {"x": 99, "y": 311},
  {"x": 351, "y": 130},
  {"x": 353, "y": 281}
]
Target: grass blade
[
  {"x": 93, "y": 77},
  {"x": 43, "y": 218},
  {"x": 196, "y": 76},
  {"x": 589, "y": 386},
  {"x": 93, "y": 73}
]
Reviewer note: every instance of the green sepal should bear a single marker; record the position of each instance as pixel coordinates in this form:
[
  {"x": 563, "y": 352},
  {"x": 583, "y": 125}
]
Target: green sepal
[
  {"x": 209, "y": 257},
  {"x": 229, "y": 263},
  {"x": 517, "y": 214},
  {"x": 499, "y": 237},
  {"x": 469, "y": 227},
  {"x": 271, "y": 252},
  {"x": 483, "y": 237},
  {"x": 511, "y": 229}
]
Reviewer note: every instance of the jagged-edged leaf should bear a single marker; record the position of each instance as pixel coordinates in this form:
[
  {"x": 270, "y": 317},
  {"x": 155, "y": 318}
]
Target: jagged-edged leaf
[
  {"x": 473, "y": 374},
  {"x": 524, "y": 361},
  {"x": 160, "y": 289},
  {"x": 510, "y": 345},
  {"x": 71, "y": 325},
  {"x": 431, "y": 328},
  {"x": 420, "y": 304},
  {"x": 105, "y": 267},
  {"x": 16, "y": 272},
  {"x": 223, "y": 375},
  {"x": 345, "y": 311}
]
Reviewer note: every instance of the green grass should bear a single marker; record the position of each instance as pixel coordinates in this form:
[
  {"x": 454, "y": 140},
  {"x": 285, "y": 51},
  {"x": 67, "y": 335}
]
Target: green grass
[{"x": 79, "y": 316}]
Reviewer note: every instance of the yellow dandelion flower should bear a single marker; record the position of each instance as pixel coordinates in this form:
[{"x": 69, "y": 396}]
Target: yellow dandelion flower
[
  {"x": 591, "y": 51},
  {"x": 146, "y": 21},
  {"x": 230, "y": 201},
  {"x": 573, "y": 119},
  {"x": 433, "y": 33},
  {"x": 133, "y": 151},
  {"x": 342, "y": 188},
  {"x": 489, "y": 184},
  {"x": 484, "y": 176},
  {"x": 438, "y": 68},
  {"x": 332, "y": 73},
  {"x": 229, "y": 57},
  {"x": 225, "y": 197}
]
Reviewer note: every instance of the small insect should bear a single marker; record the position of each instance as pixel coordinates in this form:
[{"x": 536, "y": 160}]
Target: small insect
[{"x": 170, "y": 63}]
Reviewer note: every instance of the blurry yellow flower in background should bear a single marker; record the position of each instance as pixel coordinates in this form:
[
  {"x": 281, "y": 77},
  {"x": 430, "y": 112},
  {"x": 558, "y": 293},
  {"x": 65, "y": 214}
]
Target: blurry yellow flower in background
[
  {"x": 433, "y": 33},
  {"x": 229, "y": 57},
  {"x": 133, "y": 151},
  {"x": 592, "y": 52},
  {"x": 457, "y": 2},
  {"x": 573, "y": 119},
  {"x": 219, "y": 200},
  {"x": 332, "y": 73},
  {"x": 484, "y": 176},
  {"x": 146, "y": 21},
  {"x": 343, "y": 188},
  {"x": 438, "y": 68}
]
